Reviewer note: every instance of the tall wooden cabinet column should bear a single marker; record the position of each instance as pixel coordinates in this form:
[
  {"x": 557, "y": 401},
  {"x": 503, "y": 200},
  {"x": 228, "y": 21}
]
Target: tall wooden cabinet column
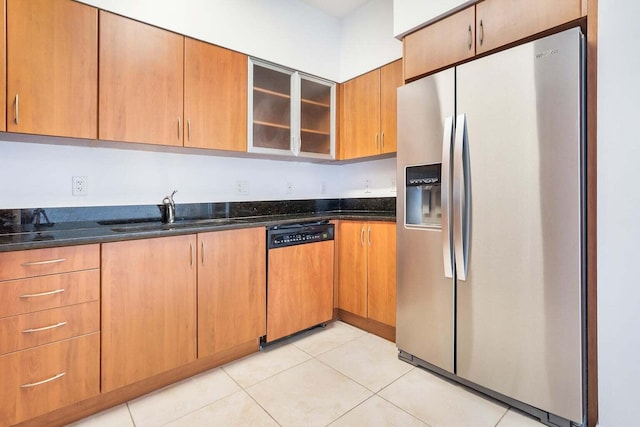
[
  {"x": 215, "y": 97},
  {"x": 148, "y": 308},
  {"x": 52, "y": 68},
  {"x": 368, "y": 112},
  {"x": 141, "y": 82}
]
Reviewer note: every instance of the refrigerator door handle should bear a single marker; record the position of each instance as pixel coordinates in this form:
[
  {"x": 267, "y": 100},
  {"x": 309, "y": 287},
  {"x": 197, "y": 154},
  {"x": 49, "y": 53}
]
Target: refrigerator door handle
[
  {"x": 461, "y": 197},
  {"x": 445, "y": 193}
]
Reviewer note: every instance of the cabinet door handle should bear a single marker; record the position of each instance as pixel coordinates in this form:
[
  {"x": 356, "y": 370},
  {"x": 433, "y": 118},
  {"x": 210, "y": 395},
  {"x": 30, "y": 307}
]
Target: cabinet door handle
[
  {"x": 17, "y": 108},
  {"x": 191, "y": 256},
  {"x": 469, "y": 41},
  {"x": 49, "y": 261},
  {"x": 481, "y": 32},
  {"x": 376, "y": 140},
  {"x": 202, "y": 247},
  {"x": 179, "y": 126},
  {"x": 382, "y": 141},
  {"x": 42, "y": 294},
  {"x": 55, "y": 377},
  {"x": 369, "y": 236},
  {"x": 188, "y": 129},
  {"x": 44, "y": 328},
  {"x": 362, "y": 236}
]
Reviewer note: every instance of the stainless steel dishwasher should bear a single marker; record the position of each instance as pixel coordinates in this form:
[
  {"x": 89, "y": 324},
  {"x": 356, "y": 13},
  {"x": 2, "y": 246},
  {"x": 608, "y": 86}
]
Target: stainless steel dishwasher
[{"x": 299, "y": 277}]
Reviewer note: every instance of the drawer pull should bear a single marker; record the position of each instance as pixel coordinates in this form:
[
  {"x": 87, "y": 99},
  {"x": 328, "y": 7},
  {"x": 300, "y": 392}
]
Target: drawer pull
[
  {"x": 44, "y": 328},
  {"x": 50, "y": 261},
  {"x": 53, "y": 378},
  {"x": 42, "y": 294}
]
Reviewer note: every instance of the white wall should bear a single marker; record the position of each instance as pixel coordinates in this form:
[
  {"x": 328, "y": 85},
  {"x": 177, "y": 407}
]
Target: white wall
[
  {"x": 39, "y": 175},
  {"x": 367, "y": 40},
  {"x": 618, "y": 212},
  {"x": 286, "y": 32}
]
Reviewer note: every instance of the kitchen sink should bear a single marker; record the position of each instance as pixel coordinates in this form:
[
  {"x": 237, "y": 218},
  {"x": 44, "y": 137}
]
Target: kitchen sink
[{"x": 189, "y": 223}]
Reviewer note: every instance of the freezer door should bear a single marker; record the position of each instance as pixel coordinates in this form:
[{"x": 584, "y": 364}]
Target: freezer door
[
  {"x": 520, "y": 308},
  {"x": 425, "y": 297}
]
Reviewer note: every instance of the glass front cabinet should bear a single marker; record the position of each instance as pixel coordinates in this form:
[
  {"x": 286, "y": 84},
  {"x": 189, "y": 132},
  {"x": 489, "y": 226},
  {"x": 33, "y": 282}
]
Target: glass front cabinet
[{"x": 290, "y": 113}]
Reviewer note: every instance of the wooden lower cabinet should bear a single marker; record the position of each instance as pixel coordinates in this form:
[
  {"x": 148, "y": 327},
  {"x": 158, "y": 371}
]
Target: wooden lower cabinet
[
  {"x": 366, "y": 269},
  {"x": 48, "y": 377},
  {"x": 381, "y": 272},
  {"x": 351, "y": 267},
  {"x": 231, "y": 289},
  {"x": 366, "y": 275},
  {"x": 148, "y": 308}
]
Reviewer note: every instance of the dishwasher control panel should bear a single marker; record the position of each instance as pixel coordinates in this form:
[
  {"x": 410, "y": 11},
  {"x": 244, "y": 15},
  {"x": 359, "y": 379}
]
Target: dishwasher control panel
[{"x": 298, "y": 234}]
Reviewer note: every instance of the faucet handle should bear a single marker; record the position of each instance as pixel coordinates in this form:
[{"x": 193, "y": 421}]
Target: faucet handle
[{"x": 171, "y": 197}]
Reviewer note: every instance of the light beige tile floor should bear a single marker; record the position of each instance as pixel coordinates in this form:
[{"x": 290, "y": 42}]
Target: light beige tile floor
[{"x": 338, "y": 376}]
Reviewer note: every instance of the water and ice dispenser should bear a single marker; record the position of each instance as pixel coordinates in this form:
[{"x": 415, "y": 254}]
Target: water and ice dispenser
[{"x": 422, "y": 184}]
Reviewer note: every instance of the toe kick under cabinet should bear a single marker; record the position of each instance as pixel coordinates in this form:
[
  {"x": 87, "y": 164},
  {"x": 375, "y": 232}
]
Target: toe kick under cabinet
[{"x": 49, "y": 330}]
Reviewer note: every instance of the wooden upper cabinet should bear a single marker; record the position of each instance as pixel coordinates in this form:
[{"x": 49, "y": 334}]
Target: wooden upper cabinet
[
  {"x": 361, "y": 116},
  {"x": 499, "y": 22},
  {"x": 141, "y": 82},
  {"x": 52, "y": 68},
  {"x": 390, "y": 81},
  {"x": 215, "y": 101},
  {"x": 441, "y": 44},
  {"x": 368, "y": 112}
]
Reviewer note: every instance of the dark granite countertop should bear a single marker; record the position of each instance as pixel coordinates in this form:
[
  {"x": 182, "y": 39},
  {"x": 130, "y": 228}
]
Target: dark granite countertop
[{"x": 33, "y": 229}]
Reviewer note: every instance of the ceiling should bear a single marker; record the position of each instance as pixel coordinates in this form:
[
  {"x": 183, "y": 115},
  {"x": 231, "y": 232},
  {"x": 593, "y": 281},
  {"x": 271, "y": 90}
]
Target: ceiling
[{"x": 336, "y": 8}]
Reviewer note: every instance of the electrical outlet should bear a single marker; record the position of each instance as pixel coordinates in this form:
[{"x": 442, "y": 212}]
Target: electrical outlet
[
  {"x": 289, "y": 187},
  {"x": 79, "y": 185},
  {"x": 367, "y": 186},
  {"x": 242, "y": 187}
]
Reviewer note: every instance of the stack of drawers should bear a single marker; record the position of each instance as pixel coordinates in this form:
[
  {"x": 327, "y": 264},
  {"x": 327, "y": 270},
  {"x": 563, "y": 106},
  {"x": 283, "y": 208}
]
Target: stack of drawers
[{"x": 49, "y": 330}]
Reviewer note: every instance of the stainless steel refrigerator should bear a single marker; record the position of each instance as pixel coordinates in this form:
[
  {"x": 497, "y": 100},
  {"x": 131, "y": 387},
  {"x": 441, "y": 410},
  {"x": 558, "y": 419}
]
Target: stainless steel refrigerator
[{"x": 490, "y": 213}]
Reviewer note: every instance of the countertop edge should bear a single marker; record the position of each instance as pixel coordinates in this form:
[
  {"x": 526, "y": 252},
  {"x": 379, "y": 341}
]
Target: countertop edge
[{"x": 105, "y": 234}]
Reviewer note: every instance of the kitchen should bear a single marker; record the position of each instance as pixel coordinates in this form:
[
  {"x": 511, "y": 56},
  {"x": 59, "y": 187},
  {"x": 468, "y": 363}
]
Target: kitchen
[{"x": 155, "y": 174}]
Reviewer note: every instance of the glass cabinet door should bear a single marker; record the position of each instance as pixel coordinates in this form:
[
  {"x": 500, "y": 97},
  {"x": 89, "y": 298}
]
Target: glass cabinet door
[
  {"x": 316, "y": 116},
  {"x": 290, "y": 113},
  {"x": 271, "y": 109}
]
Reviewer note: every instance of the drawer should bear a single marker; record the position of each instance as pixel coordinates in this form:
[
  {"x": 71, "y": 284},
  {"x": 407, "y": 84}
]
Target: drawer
[
  {"x": 40, "y": 262},
  {"x": 41, "y": 293},
  {"x": 43, "y": 327},
  {"x": 45, "y": 378}
]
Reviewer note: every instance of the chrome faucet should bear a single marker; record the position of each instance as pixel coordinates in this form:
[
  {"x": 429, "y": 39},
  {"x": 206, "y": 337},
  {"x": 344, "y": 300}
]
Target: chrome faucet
[{"x": 168, "y": 208}]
